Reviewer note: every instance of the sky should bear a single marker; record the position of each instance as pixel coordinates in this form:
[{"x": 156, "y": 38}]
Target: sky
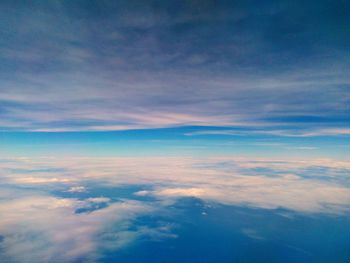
[
  {"x": 228, "y": 69},
  {"x": 151, "y": 131},
  {"x": 101, "y": 65}
]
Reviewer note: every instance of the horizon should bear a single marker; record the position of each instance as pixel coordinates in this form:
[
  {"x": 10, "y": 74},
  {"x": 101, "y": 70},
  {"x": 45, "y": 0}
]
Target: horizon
[{"x": 174, "y": 131}]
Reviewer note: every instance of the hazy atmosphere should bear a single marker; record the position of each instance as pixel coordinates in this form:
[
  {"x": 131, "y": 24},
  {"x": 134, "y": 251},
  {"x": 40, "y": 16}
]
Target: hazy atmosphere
[{"x": 174, "y": 131}]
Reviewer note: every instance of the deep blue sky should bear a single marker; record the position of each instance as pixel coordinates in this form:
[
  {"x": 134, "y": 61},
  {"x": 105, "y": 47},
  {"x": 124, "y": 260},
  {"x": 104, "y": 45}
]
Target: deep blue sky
[{"x": 275, "y": 70}]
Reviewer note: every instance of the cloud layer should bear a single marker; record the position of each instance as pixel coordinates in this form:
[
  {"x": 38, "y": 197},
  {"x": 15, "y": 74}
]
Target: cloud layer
[
  {"x": 309, "y": 186},
  {"x": 47, "y": 229},
  {"x": 37, "y": 223},
  {"x": 114, "y": 66}
]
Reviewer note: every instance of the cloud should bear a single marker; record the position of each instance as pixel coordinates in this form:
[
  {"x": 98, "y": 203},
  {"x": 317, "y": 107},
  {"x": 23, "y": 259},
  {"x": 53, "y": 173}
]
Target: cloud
[
  {"x": 223, "y": 64},
  {"x": 99, "y": 199},
  {"x": 315, "y": 185},
  {"x": 46, "y": 228},
  {"x": 77, "y": 189},
  {"x": 251, "y": 233},
  {"x": 274, "y": 132},
  {"x": 37, "y": 225}
]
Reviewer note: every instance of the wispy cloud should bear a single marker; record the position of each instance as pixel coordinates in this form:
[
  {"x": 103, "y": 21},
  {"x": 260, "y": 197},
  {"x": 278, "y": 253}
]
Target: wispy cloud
[
  {"x": 142, "y": 71},
  {"x": 283, "y": 133}
]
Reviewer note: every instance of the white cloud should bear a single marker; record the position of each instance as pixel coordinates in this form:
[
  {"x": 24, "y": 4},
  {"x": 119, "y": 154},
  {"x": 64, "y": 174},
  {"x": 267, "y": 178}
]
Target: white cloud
[
  {"x": 46, "y": 229},
  {"x": 77, "y": 189},
  {"x": 98, "y": 199},
  {"x": 36, "y": 225},
  {"x": 236, "y": 181}
]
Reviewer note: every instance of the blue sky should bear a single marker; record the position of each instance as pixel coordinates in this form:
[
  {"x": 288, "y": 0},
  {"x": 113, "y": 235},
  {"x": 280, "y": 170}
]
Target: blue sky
[
  {"x": 241, "y": 72},
  {"x": 102, "y": 65},
  {"x": 184, "y": 141}
]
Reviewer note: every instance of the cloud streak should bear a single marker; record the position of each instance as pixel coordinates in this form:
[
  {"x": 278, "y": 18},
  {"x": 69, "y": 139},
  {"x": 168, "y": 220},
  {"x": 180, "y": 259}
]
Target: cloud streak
[
  {"x": 145, "y": 67},
  {"x": 274, "y": 132}
]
